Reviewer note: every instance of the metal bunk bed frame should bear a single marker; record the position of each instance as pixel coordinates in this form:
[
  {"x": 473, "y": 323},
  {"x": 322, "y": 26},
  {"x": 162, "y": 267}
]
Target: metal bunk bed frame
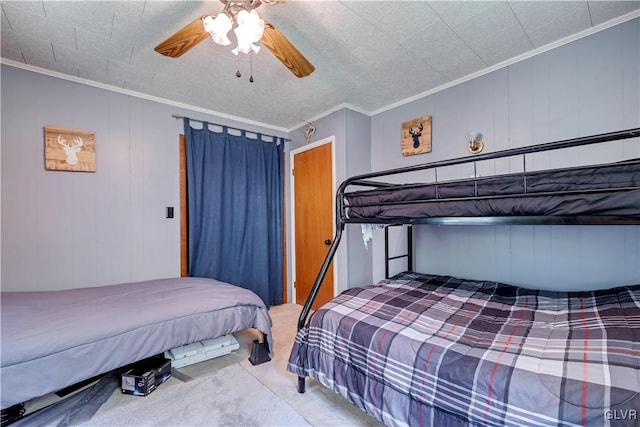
[{"x": 365, "y": 180}]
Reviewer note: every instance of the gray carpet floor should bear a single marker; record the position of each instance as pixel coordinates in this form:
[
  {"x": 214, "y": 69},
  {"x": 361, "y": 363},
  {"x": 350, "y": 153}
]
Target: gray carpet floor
[
  {"x": 230, "y": 391},
  {"x": 230, "y": 396}
]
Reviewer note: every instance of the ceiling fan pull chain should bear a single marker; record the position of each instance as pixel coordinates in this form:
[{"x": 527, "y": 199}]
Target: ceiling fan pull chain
[{"x": 251, "y": 67}]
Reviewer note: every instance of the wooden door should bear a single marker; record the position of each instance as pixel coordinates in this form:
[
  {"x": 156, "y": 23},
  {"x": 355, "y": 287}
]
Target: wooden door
[
  {"x": 184, "y": 213},
  {"x": 313, "y": 216}
]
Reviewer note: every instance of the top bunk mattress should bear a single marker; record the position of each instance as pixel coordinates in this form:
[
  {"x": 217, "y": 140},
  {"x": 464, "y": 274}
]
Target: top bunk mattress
[{"x": 605, "y": 190}]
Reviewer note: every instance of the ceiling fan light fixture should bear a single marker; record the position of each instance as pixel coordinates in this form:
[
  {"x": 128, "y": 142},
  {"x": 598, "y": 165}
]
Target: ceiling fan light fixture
[
  {"x": 249, "y": 30},
  {"x": 218, "y": 28},
  {"x": 245, "y": 45},
  {"x": 249, "y": 22},
  {"x": 245, "y": 49},
  {"x": 202, "y": 27}
]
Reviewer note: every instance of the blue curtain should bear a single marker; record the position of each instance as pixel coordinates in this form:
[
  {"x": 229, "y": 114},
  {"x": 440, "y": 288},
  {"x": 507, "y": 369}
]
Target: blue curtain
[{"x": 235, "y": 202}]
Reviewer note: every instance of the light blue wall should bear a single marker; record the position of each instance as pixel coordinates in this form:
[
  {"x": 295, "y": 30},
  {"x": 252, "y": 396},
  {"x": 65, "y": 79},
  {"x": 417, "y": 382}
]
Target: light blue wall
[
  {"x": 358, "y": 144},
  {"x": 71, "y": 229},
  {"x": 589, "y": 86}
]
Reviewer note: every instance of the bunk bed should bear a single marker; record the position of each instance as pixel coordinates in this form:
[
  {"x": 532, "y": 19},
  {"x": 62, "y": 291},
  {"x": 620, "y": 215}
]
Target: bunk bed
[{"x": 421, "y": 349}]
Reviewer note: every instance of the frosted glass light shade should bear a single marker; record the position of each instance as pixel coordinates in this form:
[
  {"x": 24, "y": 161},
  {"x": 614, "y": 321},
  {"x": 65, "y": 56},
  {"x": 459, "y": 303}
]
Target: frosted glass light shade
[
  {"x": 218, "y": 28},
  {"x": 249, "y": 30}
]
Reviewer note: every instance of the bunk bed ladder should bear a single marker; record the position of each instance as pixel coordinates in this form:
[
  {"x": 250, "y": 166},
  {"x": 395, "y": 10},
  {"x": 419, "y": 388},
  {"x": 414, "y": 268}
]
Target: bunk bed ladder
[{"x": 408, "y": 255}]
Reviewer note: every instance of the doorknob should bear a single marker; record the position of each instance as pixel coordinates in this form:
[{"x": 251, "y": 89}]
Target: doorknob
[{"x": 327, "y": 242}]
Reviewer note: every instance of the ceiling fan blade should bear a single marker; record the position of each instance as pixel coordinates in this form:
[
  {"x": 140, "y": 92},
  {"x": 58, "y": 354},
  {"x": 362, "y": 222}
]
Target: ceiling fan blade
[
  {"x": 182, "y": 41},
  {"x": 286, "y": 52}
]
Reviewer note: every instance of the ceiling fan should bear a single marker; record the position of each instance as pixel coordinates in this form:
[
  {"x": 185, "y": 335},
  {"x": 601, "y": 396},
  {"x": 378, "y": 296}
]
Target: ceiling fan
[{"x": 234, "y": 11}]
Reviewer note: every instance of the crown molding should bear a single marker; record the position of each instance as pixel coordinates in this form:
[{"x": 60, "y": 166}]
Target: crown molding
[
  {"x": 129, "y": 92},
  {"x": 519, "y": 58},
  {"x": 329, "y": 112},
  {"x": 524, "y": 56}
]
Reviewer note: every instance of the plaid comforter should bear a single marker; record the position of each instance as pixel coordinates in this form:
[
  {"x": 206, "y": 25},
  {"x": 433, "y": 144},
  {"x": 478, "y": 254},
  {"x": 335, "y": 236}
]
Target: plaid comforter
[{"x": 423, "y": 350}]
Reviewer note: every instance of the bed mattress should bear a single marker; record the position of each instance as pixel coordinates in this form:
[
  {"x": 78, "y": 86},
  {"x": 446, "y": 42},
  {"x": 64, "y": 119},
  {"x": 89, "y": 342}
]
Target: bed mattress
[
  {"x": 611, "y": 189},
  {"x": 440, "y": 351},
  {"x": 51, "y": 340}
]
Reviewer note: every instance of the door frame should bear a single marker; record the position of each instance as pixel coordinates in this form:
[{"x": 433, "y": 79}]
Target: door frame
[{"x": 292, "y": 224}]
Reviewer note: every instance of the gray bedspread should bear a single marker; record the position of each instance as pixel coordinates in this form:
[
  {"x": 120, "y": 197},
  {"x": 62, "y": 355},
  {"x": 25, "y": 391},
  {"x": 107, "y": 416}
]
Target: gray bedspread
[{"x": 54, "y": 339}]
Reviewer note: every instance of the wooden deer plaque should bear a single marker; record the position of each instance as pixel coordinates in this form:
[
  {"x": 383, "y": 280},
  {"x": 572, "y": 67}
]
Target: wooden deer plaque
[
  {"x": 69, "y": 149},
  {"x": 416, "y": 136}
]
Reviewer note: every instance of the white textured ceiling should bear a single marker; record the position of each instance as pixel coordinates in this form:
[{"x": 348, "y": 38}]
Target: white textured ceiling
[{"x": 367, "y": 54}]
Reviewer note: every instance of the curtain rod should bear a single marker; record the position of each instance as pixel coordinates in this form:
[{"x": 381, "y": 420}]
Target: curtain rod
[{"x": 175, "y": 116}]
